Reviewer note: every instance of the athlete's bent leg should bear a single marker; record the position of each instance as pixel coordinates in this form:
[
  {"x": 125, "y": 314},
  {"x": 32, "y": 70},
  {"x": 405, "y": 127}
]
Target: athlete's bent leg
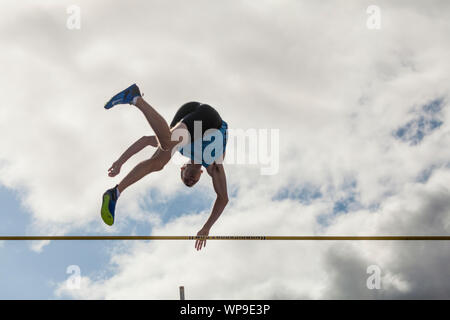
[
  {"x": 155, "y": 163},
  {"x": 157, "y": 122},
  {"x": 110, "y": 197}
]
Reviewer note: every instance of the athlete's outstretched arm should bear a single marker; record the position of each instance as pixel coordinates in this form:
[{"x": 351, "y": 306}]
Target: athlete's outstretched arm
[
  {"x": 132, "y": 150},
  {"x": 217, "y": 173}
]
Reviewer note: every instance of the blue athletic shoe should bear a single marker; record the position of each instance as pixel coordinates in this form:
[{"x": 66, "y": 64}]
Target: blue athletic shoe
[
  {"x": 109, "y": 206},
  {"x": 124, "y": 97}
]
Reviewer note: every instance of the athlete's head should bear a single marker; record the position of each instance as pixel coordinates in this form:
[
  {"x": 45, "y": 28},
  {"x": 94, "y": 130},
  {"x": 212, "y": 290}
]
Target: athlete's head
[{"x": 190, "y": 174}]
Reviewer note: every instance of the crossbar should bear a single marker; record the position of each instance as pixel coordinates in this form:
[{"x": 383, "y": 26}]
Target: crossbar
[{"x": 297, "y": 238}]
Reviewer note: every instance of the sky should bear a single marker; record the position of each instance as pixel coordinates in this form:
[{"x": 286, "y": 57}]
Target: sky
[{"x": 353, "y": 100}]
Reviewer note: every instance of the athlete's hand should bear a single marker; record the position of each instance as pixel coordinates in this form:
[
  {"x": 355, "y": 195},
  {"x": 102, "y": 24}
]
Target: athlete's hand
[
  {"x": 204, "y": 232},
  {"x": 115, "y": 169}
]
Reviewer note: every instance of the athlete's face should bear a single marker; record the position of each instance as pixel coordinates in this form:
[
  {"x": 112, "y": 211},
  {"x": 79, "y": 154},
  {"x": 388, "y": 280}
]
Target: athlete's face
[{"x": 190, "y": 174}]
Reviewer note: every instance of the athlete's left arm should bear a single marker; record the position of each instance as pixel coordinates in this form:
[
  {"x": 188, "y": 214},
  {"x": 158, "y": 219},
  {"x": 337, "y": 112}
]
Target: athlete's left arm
[{"x": 219, "y": 180}]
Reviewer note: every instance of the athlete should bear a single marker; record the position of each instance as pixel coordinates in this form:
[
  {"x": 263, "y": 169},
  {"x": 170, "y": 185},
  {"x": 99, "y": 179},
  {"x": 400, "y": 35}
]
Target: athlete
[{"x": 197, "y": 131}]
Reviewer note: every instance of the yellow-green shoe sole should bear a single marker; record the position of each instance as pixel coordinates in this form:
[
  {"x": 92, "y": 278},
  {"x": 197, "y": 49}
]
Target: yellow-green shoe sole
[{"x": 106, "y": 215}]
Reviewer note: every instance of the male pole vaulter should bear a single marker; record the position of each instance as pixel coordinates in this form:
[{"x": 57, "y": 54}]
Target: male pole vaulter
[{"x": 197, "y": 131}]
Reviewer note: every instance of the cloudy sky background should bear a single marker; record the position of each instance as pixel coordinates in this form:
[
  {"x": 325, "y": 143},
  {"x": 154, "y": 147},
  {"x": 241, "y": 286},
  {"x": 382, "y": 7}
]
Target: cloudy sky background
[{"x": 363, "y": 117}]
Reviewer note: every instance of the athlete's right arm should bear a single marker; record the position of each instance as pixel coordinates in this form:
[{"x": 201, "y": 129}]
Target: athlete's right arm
[
  {"x": 138, "y": 146},
  {"x": 132, "y": 150}
]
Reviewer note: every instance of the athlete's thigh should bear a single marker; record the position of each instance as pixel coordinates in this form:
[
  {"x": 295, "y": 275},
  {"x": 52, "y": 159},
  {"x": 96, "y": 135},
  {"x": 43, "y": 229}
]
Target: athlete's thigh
[
  {"x": 161, "y": 156},
  {"x": 180, "y": 136}
]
